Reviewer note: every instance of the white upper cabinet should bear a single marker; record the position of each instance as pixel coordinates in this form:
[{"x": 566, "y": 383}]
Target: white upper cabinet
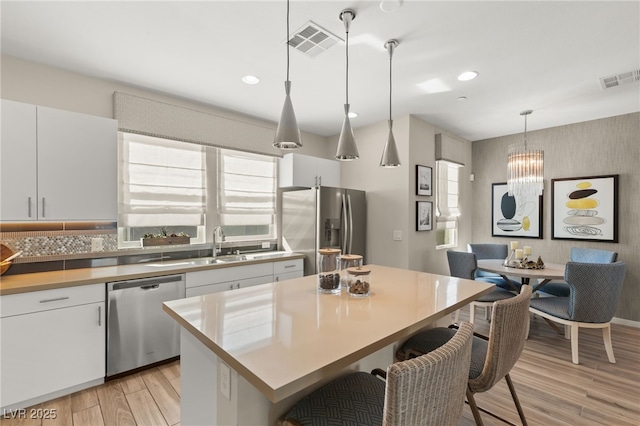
[
  {"x": 299, "y": 170},
  {"x": 57, "y": 165},
  {"x": 18, "y": 173}
]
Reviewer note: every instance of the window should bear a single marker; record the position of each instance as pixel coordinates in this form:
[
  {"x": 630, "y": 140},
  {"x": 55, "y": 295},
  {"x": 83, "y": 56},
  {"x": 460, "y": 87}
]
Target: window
[
  {"x": 447, "y": 208},
  {"x": 162, "y": 185},
  {"x": 246, "y": 195},
  {"x": 166, "y": 184}
]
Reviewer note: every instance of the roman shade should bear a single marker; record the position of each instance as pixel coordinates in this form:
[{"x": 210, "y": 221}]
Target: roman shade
[{"x": 160, "y": 119}]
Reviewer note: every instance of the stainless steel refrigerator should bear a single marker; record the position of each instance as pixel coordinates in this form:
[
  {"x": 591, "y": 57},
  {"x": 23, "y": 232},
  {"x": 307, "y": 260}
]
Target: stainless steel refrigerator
[{"x": 324, "y": 217}]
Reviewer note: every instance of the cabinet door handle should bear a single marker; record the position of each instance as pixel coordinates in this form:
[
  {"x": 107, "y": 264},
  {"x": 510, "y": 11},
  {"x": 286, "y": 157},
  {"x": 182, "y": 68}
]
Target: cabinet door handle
[
  {"x": 54, "y": 300},
  {"x": 99, "y": 316},
  {"x": 320, "y": 181},
  {"x": 237, "y": 285},
  {"x": 29, "y": 207},
  {"x": 277, "y": 278},
  {"x": 43, "y": 215},
  {"x": 230, "y": 286}
]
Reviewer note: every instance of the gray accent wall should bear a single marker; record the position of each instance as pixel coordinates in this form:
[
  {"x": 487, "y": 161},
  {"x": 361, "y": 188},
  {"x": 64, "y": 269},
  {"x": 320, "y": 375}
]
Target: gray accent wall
[{"x": 599, "y": 147}]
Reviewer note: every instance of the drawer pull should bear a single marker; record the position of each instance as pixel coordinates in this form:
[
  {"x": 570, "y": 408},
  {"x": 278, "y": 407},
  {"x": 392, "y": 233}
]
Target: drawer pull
[
  {"x": 290, "y": 266},
  {"x": 57, "y": 299}
]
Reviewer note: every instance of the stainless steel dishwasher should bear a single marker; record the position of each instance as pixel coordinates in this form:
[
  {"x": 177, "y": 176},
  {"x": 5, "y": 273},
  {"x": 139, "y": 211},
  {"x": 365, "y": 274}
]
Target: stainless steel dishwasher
[{"x": 139, "y": 332}]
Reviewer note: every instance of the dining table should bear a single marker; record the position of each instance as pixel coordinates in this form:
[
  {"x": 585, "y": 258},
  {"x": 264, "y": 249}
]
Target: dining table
[
  {"x": 551, "y": 271},
  {"x": 248, "y": 355}
]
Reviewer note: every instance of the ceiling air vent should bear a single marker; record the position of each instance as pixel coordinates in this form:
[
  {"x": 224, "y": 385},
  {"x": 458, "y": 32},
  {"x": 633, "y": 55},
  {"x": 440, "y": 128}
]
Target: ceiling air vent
[
  {"x": 311, "y": 39},
  {"x": 620, "y": 79}
]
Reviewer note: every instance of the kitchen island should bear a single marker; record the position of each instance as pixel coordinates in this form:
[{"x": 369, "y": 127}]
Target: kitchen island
[{"x": 250, "y": 354}]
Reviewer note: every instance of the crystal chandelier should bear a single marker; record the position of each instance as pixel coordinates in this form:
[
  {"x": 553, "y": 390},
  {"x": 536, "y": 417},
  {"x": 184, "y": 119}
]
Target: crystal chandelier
[{"x": 525, "y": 167}]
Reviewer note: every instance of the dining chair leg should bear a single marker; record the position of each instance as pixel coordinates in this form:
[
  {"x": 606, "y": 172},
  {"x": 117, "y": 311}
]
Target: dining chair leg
[
  {"x": 472, "y": 312},
  {"x": 474, "y": 408},
  {"x": 606, "y": 335},
  {"x": 574, "y": 343},
  {"x": 567, "y": 331},
  {"x": 512, "y": 389}
]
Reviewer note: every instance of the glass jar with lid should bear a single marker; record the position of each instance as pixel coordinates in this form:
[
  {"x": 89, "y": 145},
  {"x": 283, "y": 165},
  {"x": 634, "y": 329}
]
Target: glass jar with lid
[
  {"x": 329, "y": 270},
  {"x": 348, "y": 261},
  {"x": 359, "y": 281}
]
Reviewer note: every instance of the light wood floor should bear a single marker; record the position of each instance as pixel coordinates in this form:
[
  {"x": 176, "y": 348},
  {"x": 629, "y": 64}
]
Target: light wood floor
[{"x": 552, "y": 390}]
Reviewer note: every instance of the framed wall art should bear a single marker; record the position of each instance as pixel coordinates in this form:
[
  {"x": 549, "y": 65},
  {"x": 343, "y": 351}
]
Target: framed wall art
[
  {"x": 424, "y": 215},
  {"x": 515, "y": 216},
  {"x": 585, "y": 208},
  {"x": 424, "y": 183}
]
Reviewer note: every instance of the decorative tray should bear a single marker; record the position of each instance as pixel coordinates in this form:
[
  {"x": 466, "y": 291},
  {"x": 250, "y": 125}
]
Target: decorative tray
[
  {"x": 529, "y": 265},
  {"x": 525, "y": 264}
]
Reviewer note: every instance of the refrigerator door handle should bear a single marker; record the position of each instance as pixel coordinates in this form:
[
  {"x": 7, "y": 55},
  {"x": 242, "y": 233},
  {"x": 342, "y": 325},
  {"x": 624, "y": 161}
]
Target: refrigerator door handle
[
  {"x": 343, "y": 226},
  {"x": 350, "y": 224}
]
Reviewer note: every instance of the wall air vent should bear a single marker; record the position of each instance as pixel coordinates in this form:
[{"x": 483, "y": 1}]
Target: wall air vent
[
  {"x": 620, "y": 79},
  {"x": 311, "y": 39}
]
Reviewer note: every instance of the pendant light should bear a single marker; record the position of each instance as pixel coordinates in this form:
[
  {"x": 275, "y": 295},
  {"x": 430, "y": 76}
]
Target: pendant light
[
  {"x": 390, "y": 156},
  {"x": 287, "y": 133},
  {"x": 347, "y": 149},
  {"x": 525, "y": 167}
]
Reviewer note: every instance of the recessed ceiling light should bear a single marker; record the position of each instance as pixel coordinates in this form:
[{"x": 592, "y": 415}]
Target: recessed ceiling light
[
  {"x": 251, "y": 79},
  {"x": 390, "y": 5},
  {"x": 467, "y": 75},
  {"x": 462, "y": 98},
  {"x": 353, "y": 114}
]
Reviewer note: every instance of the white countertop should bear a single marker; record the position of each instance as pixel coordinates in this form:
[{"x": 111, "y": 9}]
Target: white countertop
[
  {"x": 22, "y": 283},
  {"x": 282, "y": 337}
]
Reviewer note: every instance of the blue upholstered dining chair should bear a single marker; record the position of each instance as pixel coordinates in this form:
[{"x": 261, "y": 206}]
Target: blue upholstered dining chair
[
  {"x": 492, "y": 251},
  {"x": 427, "y": 390},
  {"x": 464, "y": 265},
  {"x": 594, "y": 292},
  {"x": 585, "y": 255}
]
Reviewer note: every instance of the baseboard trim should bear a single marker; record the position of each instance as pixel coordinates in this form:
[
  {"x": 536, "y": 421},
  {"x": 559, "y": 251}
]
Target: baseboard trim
[
  {"x": 42, "y": 398},
  {"x": 626, "y": 322}
]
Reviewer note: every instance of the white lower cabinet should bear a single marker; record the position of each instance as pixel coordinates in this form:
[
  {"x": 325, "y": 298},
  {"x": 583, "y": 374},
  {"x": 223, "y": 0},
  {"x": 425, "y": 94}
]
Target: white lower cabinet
[
  {"x": 288, "y": 269},
  {"x": 216, "y": 280},
  {"x": 222, "y": 279},
  {"x": 52, "y": 341}
]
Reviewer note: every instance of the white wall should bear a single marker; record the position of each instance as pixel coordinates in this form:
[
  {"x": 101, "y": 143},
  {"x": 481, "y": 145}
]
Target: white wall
[
  {"x": 38, "y": 84},
  {"x": 391, "y": 193}
]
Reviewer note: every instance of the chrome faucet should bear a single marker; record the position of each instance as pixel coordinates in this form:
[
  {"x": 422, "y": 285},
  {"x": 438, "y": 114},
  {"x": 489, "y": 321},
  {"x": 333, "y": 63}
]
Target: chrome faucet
[{"x": 215, "y": 233}]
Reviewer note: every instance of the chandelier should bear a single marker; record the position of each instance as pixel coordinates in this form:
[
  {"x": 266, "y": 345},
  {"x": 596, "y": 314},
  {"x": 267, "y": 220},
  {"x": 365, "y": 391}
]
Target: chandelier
[{"x": 525, "y": 167}]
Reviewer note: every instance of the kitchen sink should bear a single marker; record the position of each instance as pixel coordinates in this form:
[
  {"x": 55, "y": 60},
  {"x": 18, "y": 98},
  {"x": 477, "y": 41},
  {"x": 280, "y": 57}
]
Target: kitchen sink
[
  {"x": 227, "y": 258},
  {"x": 201, "y": 261}
]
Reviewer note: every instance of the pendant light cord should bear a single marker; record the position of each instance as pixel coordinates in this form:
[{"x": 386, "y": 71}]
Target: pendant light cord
[
  {"x": 525, "y": 132},
  {"x": 287, "y": 38},
  {"x": 390, "y": 82},
  {"x": 347, "y": 74}
]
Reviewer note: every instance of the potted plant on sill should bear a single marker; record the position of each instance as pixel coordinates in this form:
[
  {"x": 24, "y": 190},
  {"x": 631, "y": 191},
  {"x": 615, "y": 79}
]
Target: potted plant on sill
[{"x": 165, "y": 238}]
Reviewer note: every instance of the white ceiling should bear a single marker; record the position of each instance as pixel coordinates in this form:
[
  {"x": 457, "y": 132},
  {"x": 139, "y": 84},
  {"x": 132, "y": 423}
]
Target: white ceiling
[{"x": 544, "y": 56}]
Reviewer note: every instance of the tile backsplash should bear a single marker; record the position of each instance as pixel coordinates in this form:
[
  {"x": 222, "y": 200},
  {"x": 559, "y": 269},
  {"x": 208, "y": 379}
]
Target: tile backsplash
[{"x": 58, "y": 241}]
